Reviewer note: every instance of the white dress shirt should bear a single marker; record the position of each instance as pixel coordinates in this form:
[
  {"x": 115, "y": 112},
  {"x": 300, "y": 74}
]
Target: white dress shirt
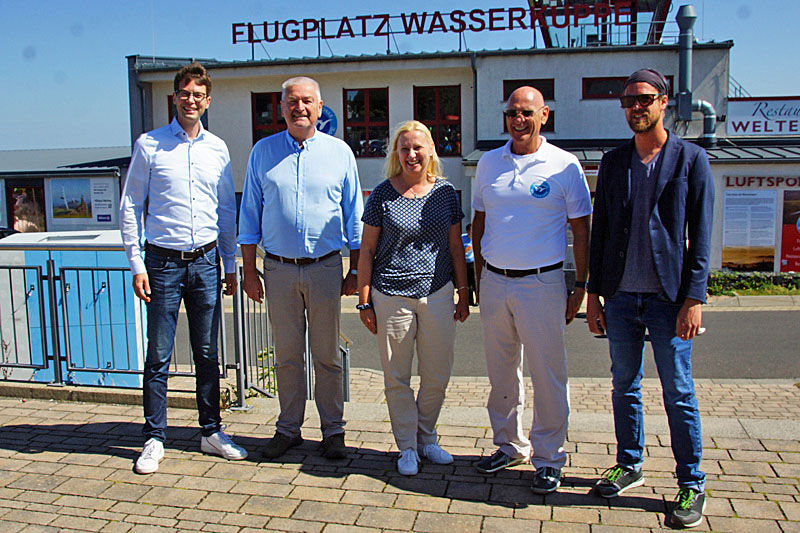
[{"x": 188, "y": 186}]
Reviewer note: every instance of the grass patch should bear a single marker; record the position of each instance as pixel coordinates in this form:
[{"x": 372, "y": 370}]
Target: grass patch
[{"x": 723, "y": 283}]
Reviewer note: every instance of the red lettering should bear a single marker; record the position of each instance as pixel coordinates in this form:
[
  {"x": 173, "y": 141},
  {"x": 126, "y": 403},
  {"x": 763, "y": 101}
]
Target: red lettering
[
  {"x": 495, "y": 17},
  {"x": 792, "y": 182},
  {"x": 580, "y": 11},
  {"x": 728, "y": 181},
  {"x": 515, "y": 14},
  {"x": 437, "y": 23},
  {"x": 323, "y": 32},
  {"x": 363, "y": 19},
  {"x": 767, "y": 128},
  {"x": 756, "y": 127},
  {"x": 750, "y": 180},
  {"x": 740, "y": 126},
  {"x": 780, "y": 124},
  {"x": 294, "y": 33},
  {"x": 779, "y": 180},
  {"x": 793, "y": 126},
  {"x": 457, "y": 17},
  {"x": 601, "y": 12},
  {"x": 537, "y": 15},
  {"x": 309, "y": 25},
  {"x": 266, "y": 32},
  {"x": 473, "y": 16},
  {"x": 623, "y": 8},
  {"x": 344, "y": 27},
  {"x": 554, "y": 17},
  {"x": 380, "y": 31},
  {"x": 237, "y": 31},
  {"x": 251, "y": 35},
  {"x": 412, "y": 22}
]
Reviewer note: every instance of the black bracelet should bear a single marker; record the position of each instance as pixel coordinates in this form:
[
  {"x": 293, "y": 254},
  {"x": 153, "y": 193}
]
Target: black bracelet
[
  {"x": 580, "y": 285},
  {"x": 364, "y": 307}
]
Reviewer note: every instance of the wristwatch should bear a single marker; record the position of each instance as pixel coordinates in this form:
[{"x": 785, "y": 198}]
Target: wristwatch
[{"x": 364, "y": 307}]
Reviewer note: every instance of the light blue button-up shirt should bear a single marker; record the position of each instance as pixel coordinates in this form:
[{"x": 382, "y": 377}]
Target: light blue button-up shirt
[
  {"x": 188, "y": 185},
  {"x": 301, "y": 202}
]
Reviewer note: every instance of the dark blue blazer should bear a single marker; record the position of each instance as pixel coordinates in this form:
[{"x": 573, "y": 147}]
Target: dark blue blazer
[{"x": 680, "y": 220}]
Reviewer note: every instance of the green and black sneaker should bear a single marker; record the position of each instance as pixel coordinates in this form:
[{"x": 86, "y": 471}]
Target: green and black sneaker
[
  {"x": 616, "y": 480},
  {"x": 689, "y": 508}
]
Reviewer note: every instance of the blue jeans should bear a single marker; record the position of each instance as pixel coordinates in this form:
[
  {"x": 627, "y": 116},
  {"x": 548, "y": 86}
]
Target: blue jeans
[
  {"x": 627, "y": 316},
  {"x": 198, "y": 283}
]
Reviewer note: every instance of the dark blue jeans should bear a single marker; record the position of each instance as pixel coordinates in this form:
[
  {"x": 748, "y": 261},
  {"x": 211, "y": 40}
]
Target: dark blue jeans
[
  {"x": 627, "y": 316},
  {"x": 198, "y": 283}
]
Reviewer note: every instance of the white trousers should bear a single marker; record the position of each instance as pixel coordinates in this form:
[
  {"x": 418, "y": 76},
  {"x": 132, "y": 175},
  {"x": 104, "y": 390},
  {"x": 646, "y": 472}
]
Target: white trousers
[
  {"x": 523, "y": 318},
  {"x": 427, "y": 323}
]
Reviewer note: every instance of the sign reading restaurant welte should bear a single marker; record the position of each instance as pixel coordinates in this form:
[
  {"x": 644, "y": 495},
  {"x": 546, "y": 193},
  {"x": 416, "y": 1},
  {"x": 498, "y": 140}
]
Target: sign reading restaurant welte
[
  {"x": 457, "y": 21},
  {"x": 764, "y": 116}
]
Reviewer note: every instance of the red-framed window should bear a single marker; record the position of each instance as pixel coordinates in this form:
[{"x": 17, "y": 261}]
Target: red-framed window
[
  {"x": 439, "y": 108},
  {"x": 267, "y": 116},
  {"x": 366, "y": 121},
  {"x": 546, "y": 86},
  {"x": 608, "y": 87}
]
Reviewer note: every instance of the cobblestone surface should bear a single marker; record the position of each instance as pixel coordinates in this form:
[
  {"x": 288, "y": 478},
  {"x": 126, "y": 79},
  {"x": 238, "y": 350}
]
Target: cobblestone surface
[{"x": 68, "y": 466}]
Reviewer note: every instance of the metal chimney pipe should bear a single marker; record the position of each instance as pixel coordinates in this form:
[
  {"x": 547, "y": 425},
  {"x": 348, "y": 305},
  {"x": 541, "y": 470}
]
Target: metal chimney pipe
[{"x": 686, "y": 18}]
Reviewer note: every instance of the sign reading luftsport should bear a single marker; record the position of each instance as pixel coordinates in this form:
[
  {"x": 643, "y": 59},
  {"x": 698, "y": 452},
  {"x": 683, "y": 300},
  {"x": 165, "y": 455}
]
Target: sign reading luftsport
[{"x": 420, "y": 23}]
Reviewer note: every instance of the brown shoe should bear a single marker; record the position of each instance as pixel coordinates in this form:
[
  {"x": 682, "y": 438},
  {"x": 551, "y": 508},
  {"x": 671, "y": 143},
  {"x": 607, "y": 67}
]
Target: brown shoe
[
  {"x": 279, "y": 444},
  {"x": 333, "y": 447}
]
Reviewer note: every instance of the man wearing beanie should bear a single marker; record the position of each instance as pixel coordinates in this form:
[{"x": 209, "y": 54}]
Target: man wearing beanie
[{"x": 650, "y": 240}]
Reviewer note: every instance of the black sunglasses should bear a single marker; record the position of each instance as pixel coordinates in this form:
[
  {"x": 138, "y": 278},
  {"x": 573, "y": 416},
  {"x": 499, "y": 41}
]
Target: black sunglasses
[
  {"x": 527, "y": 113},
  {"x": 645, "y": 100}
]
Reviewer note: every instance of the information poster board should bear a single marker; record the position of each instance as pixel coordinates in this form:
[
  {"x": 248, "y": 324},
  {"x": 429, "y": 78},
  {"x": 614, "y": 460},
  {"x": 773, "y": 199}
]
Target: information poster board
[
  {"x": 748, "y": 230},
  {"x": 790, "y": 238}
]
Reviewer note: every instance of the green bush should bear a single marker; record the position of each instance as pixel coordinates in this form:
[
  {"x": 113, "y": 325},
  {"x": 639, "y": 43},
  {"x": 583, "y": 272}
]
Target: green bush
[{"x": 730, "y": 283}]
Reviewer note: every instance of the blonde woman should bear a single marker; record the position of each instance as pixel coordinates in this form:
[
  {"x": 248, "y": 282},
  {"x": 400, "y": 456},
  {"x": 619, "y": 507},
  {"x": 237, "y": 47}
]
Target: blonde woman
[{"x": 410, "y": 253}]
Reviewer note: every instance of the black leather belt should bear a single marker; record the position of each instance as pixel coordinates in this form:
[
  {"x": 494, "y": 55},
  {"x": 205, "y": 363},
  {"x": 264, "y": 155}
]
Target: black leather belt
[
  {"x": 300, "y": 261},
  {"x": 522, "y": 273},
  {"x": 178, "y": 254}
]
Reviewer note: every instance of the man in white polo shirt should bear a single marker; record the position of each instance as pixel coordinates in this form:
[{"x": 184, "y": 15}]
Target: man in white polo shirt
[{"x": 526, "y": 193}]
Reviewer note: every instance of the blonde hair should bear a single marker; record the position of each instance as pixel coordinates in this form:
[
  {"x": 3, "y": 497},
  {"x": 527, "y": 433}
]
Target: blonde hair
[{"x": 392, "y": 164}]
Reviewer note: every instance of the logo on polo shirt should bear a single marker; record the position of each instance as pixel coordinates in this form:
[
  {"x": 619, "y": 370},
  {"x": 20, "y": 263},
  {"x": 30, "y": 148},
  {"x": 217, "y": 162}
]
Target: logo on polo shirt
[{"x": 540, "y": 190}]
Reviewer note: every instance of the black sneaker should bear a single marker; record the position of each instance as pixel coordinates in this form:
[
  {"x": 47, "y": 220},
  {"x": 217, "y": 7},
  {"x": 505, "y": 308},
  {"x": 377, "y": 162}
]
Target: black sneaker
[
  {"x": 546, "y": 480},
  {"x": 617, "y": 480},
  {"x": 279, "y": 444},
  {"x": 689, "y": 508},
  {"x": 497, "y": 461},
  {"x": 333, "y": 447}
]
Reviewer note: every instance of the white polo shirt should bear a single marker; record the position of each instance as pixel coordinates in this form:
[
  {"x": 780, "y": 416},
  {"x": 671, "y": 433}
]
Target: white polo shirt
[{"x": 527, "y": 200}]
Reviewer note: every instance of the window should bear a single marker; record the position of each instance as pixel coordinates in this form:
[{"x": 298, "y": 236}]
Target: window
[
  {"x": 608, "y": 87},
  {"x": 366, "y": 121},
  {"x": 546, "y": 86},
  {"x": 439, "y": 108},
  {"x": 267, "y": 117}
]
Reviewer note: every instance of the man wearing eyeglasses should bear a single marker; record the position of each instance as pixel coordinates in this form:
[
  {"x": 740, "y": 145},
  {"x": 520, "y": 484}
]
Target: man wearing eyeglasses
[
  {"x": 651, "y": 236},
  {"x": 183, "y": 173},
  {"x": 526, "y": 193}
]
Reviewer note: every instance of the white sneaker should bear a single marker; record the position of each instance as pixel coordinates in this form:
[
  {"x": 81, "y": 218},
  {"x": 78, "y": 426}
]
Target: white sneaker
[
  {"x": 408, "y": 463},
  {"x": 435, "y": 454},
  {"x": 153, "y": 452},
  {"x": 222, "y": 444}
]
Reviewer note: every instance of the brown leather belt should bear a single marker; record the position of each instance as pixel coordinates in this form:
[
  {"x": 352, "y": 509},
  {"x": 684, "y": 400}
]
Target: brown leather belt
[
  {"x": 179, "y": 254},
  {"x": 300, "y": 261},
  {"x": 522, "y": 273}
]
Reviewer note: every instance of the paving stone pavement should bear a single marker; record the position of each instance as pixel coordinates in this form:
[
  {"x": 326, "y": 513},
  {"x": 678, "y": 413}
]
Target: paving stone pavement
[{"x": 68, "y": 466}]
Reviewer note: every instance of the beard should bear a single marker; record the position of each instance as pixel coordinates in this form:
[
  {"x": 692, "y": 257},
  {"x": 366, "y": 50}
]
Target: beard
[{"x": 644, "y": 123}]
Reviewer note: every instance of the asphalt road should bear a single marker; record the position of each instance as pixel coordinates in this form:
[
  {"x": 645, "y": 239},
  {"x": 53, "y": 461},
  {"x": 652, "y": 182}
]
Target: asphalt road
[{"x": 737, "y": 344}]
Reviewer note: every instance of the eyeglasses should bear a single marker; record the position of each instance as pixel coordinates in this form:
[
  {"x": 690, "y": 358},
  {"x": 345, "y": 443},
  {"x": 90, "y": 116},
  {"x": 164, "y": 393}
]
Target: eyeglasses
[
  {"x": 644, "y": 100},
  {"x": 527, "y": 113},
  {"x": 184, "y": 95}
]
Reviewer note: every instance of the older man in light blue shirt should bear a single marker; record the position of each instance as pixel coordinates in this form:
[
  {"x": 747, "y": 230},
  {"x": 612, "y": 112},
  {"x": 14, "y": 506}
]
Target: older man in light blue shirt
[
  {"x": 302, "y": 202},
  {"x": 183, "y": 173}
]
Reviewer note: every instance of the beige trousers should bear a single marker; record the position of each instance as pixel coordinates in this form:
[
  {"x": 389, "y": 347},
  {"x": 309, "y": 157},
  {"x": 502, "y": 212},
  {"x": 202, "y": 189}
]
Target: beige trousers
[
  {"x": 295, "y": 293},
  {"x": 523, "y": 319},
  {"x": 428, "y": 324}
]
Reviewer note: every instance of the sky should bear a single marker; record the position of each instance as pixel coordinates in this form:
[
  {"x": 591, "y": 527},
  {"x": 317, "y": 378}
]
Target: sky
[{"x": 63, "y": 72}]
